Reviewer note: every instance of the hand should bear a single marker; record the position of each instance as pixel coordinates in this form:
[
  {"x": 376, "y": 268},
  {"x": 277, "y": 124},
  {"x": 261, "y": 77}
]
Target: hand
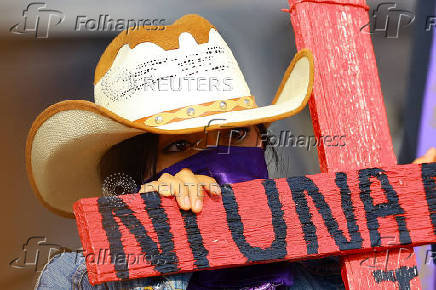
[
  {"x": 187, "y": 187},
  {"x": 429, "y": 156}
]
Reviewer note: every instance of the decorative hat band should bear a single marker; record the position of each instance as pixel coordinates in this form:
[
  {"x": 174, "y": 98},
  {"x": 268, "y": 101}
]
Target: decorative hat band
[{"x": 200, "y": 110}]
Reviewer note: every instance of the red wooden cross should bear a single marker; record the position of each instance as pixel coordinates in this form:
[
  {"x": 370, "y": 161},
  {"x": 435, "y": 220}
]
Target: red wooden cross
[
  {"x": 347, "y": 99},
  {"x": 140, "y": 235},
  {"x": 363, "y": 202}
]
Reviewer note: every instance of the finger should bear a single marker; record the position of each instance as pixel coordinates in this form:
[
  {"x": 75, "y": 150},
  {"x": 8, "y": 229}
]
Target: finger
[
  {"x": 431, "y": 154},
  {"x": 167, "y": 184},
  {"x": 150, "y": 186},
  {"x": 209, "y": 183},
  {"x": 195, "y": 190},
  {"x": 419, "y": 160},
  {"x": 177, "y": 189},
  {"x": 182, "y": 195}
]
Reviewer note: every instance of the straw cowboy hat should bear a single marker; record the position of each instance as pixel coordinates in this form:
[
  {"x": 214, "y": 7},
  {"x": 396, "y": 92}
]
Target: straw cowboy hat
[{"x": 68, "y": 139}]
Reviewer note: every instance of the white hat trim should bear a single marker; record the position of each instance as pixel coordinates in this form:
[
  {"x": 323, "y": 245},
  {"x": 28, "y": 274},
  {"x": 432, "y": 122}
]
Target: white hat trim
[{"x": 127, "y": 91}]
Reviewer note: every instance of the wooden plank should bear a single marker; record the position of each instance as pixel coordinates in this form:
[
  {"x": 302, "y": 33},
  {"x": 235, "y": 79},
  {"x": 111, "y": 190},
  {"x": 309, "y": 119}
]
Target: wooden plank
[
  {"x": 347, "y": 99},
  {"x": 389, "y": 269},
  {"x": 140, "y": 235}
]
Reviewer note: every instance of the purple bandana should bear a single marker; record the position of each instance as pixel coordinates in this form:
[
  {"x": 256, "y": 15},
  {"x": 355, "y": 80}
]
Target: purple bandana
[
  {"x": 227, "y": 164},
  {"x": 231, "y": 164}
]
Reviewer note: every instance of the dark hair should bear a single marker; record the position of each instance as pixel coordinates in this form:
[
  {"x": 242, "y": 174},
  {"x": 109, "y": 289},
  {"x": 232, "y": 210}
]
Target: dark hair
[{"x": 136, "y": 157}]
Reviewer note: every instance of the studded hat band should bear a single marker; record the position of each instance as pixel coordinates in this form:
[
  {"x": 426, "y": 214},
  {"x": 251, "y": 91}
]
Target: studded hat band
[{"x": 200, "y": 110}]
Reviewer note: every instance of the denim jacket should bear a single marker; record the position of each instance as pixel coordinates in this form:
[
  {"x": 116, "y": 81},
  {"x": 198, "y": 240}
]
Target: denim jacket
[{"x": 68, "y": 271}]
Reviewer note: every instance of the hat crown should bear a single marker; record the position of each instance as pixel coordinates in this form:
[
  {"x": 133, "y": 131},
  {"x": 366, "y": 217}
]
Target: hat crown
[{"x": 152, "y": 71}]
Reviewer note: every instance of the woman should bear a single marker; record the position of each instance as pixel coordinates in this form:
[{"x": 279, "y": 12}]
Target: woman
[
  {"x": 188, "y": 167},
  {"x": 172, "y": 114}
]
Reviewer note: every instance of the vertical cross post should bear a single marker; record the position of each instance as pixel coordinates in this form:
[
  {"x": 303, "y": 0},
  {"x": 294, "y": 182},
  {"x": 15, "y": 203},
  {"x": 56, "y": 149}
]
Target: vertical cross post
[{"x": 347, "y": 101}]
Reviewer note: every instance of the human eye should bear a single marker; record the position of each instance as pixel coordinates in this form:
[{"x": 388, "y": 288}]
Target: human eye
[{"x": 178, "y": 146}]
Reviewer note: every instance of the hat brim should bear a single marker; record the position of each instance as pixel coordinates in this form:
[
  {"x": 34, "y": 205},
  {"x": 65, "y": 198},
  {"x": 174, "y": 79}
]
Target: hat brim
[{"x": 68, "y": 139}]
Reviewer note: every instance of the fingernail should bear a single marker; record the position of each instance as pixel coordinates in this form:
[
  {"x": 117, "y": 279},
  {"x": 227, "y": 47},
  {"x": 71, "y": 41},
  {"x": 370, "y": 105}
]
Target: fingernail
[
  {"x": 186, "y": 201},
  {"x": 198, "y": 204}
]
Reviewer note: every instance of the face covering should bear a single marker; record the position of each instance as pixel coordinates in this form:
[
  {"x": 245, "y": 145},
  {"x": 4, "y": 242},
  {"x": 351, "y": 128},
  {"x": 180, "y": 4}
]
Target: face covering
[
  {"x": 227, "y": 164},
  {"x": 232, "y": 164}
]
